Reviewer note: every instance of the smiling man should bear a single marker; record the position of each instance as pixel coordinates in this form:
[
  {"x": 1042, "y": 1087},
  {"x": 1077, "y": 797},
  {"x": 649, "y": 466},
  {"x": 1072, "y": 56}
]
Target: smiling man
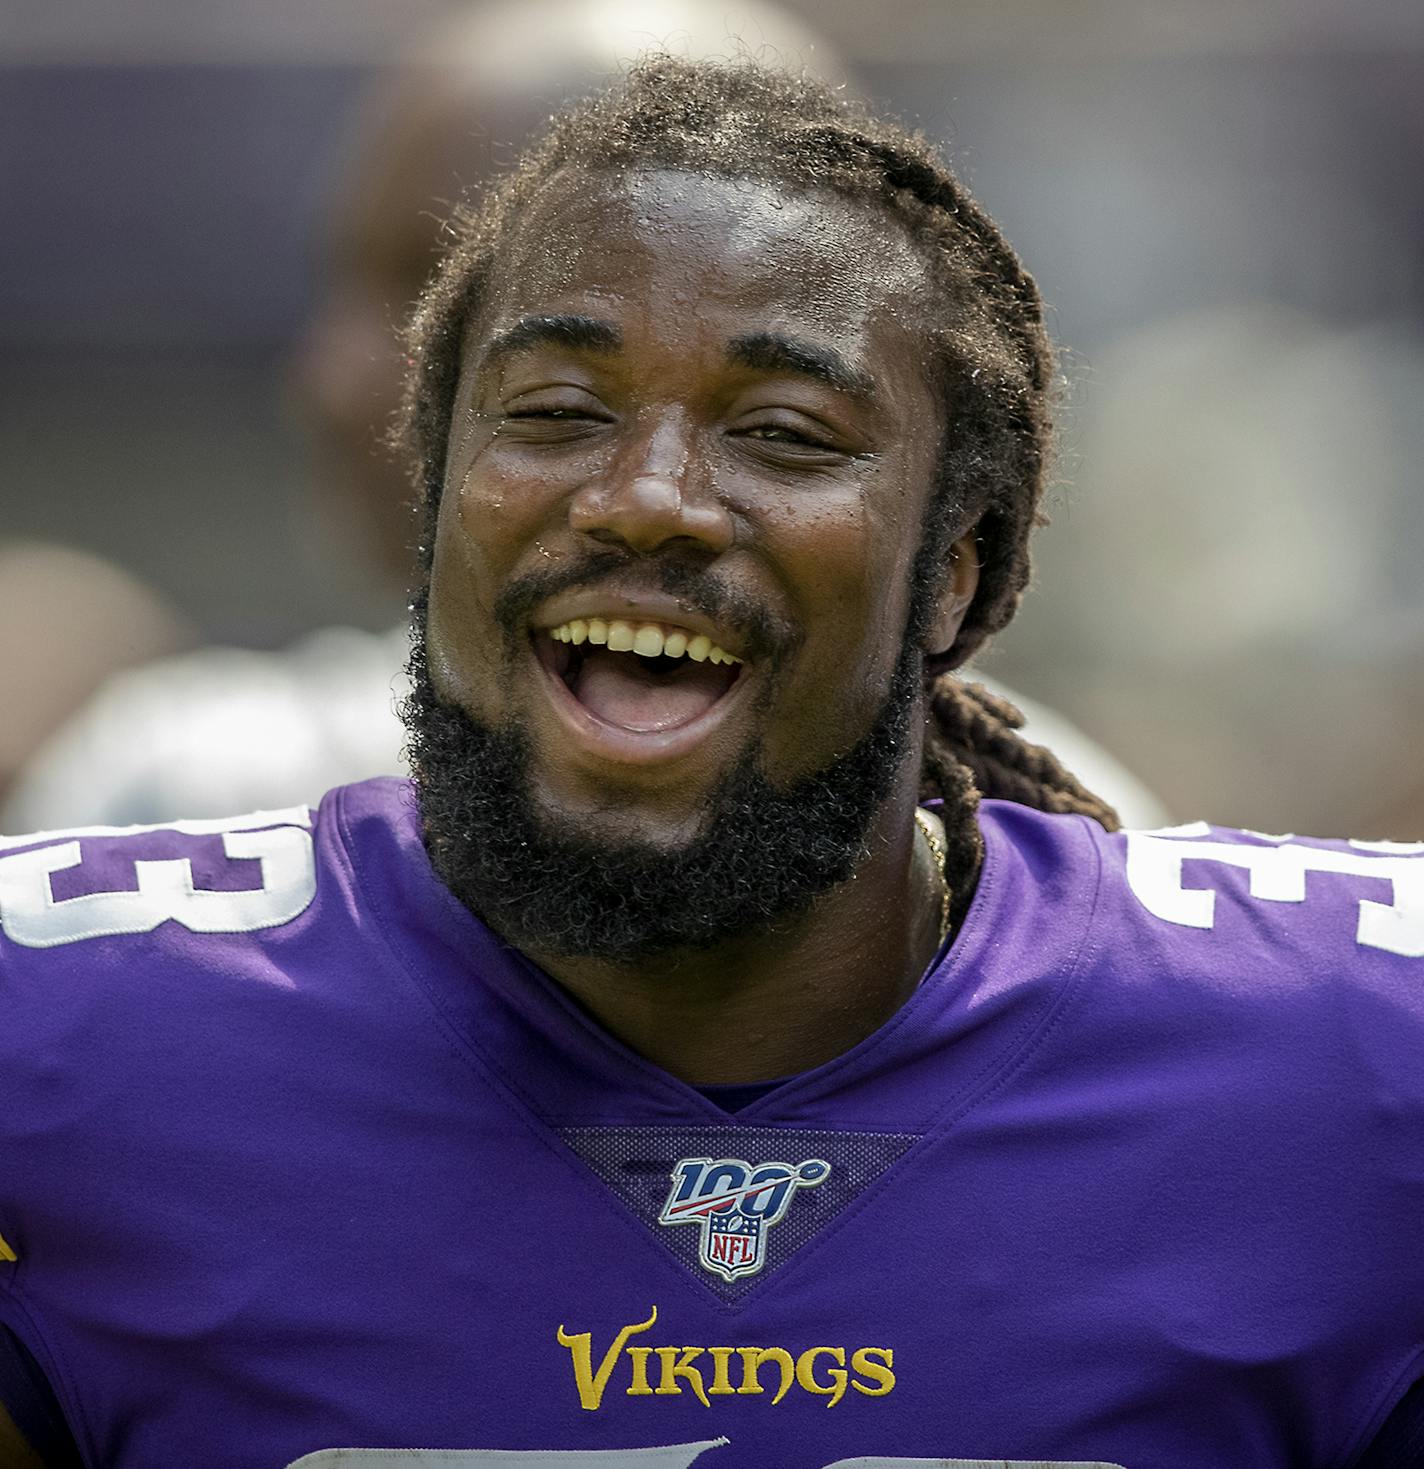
[
  {"x": 658, "y": 1081},
  {"x": 667, "y": 688}
]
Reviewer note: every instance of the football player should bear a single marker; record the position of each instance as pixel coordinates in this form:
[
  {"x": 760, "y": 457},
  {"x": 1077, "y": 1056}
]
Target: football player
[
  {"x": 691, "y": 1066},
  {"x": 219, "y": 730}
]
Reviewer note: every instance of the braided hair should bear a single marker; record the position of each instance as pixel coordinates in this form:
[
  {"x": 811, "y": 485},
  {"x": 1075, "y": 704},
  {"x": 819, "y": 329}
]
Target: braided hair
[{"x": 992, "y": 365}]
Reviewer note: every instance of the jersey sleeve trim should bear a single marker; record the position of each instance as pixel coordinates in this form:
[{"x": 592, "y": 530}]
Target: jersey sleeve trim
[
  {"x": 21, "y": 1320},
  {"x": 1400, "y": 1384},
  {"x": 34, "y": 1412}
]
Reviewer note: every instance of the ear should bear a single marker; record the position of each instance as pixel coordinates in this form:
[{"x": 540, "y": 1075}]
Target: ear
[{"x": 961, "y": 581}]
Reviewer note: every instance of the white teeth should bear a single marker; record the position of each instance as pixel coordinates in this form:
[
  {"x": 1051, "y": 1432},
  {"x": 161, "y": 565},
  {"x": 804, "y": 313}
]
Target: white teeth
[{"x": 648, "y": 639}]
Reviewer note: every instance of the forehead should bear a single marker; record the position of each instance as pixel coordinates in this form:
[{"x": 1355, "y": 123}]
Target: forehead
[{"x": 833, "y": 265}]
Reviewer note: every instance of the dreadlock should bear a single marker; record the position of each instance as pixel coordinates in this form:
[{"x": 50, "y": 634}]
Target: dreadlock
[{"x": 991, "y": 362}]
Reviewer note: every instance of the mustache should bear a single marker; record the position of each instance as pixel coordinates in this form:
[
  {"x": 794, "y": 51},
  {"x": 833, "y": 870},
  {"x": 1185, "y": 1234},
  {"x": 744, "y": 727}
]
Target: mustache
[{"x": 764, "y": 634}]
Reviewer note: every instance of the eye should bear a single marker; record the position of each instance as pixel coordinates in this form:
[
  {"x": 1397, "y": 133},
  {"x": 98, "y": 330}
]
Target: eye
[
  {"x": 550, "y": 419},
  {"x": 791, "y": 441},
  {"x": 777, "y": 433}
]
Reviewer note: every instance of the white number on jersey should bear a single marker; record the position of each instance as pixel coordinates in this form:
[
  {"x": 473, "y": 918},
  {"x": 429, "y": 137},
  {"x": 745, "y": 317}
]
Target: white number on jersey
[
  {"x": 279, "y": 840},
  {"x": 1277, "y": 875}
]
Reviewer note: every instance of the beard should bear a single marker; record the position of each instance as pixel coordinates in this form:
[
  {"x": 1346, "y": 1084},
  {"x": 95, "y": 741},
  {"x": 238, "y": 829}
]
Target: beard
[{"x": 763, "y": 854}]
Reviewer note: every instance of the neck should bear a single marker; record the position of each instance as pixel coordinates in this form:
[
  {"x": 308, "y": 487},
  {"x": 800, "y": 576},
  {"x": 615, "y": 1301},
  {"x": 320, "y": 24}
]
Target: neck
[{"x": 756, "y": 1008}]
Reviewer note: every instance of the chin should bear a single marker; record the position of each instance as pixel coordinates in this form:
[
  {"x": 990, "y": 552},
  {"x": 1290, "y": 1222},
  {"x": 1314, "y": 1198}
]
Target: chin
[
  {"x": 623, "y": 822},
  {"x": 578, "y": 877}
]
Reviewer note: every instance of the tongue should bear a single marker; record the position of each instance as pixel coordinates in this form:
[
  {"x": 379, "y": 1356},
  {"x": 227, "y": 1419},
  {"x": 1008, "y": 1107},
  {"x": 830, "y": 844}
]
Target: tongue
[{"x": 626, "y": 690}]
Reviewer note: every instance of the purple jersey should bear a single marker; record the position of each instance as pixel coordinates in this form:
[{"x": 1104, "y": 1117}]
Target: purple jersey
[{"x": 297, "y": 1156}]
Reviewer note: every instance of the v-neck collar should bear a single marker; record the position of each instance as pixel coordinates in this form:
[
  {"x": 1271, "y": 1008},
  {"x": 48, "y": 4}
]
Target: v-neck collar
[{"x": 979, "y": 1007}]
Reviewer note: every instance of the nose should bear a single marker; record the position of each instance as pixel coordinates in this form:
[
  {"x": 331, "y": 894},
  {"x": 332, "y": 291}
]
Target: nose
[{"x": 653, "y": 494}]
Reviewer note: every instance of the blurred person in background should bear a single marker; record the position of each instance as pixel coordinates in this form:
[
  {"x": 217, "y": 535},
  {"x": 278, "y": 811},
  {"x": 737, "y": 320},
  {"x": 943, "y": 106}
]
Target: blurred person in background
[
  {"x": 70, "y": 620},
  {"x": 227, "y": 729}
]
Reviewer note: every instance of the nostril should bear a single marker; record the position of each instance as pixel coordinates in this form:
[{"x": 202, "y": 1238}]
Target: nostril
[{"x": 647, "y": 511}]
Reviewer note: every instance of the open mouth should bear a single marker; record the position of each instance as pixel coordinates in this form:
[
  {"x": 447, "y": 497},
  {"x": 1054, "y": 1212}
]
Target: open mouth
[{"x": 642, "y": 677}]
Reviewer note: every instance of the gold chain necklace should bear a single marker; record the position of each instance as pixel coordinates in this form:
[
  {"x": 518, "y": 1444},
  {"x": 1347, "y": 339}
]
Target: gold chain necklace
[{"x": 928, "y": 829}]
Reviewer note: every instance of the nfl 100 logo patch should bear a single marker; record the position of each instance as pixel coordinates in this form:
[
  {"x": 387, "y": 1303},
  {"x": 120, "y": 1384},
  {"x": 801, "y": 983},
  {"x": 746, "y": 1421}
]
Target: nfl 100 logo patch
[{"x": 734, "y": 1203}]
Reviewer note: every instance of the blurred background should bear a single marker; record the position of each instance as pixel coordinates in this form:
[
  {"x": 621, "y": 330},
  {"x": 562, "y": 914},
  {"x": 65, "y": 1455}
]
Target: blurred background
[{"x": 202, "y": 262}]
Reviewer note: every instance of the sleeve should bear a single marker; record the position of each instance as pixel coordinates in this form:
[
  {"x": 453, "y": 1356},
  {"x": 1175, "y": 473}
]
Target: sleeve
[
  {"x": 33, "y": 1409},
  {"x": 1400, "y": 1443}
]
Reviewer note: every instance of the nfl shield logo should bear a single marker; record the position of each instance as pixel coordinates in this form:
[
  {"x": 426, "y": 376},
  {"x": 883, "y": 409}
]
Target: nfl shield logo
[
  {"x": 732, "y": 1244},
  {"x": 734, "y": 1203}
]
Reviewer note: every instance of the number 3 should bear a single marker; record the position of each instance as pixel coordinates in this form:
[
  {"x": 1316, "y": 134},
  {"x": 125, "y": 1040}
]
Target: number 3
[
  {"x": 1277, "y": 874},
  {"x": 282, "y": 844}
]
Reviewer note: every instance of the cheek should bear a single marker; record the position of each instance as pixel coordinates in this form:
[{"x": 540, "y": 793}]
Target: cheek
[
  {"x": 850, "y": 556},
  {"x": 497, "y": 514},
  {"x": 854, "y": 554},
  {"x": 453, "y": 608},
  {"x": 473, "y": 542}
]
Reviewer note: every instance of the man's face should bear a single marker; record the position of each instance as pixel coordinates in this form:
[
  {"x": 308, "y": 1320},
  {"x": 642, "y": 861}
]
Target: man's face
[{"x": 695, "y": 409}]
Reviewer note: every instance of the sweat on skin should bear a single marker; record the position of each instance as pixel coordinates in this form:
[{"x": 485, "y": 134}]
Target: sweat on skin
[{"x": 709, "y": 375}]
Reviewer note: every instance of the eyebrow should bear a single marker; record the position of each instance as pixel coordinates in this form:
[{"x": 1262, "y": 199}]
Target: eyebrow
[
  {"x": 763, "y": 351},
  {"x": 585, "y": 332},
  {"x": 773, "y": 352}
]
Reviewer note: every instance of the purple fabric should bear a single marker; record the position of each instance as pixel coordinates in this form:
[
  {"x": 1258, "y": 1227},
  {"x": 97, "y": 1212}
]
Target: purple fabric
[
  {"x": 733, "y": 1096},
  {"x": 27, "y": 1397},
  {"x": 108, "y": 864},
  {"x": 1153, "y": 1199}
]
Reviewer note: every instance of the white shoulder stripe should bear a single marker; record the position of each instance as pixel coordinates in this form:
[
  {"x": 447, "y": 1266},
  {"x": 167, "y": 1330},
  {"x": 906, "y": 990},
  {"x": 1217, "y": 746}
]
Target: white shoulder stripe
[{"x": 207, "y": 826}]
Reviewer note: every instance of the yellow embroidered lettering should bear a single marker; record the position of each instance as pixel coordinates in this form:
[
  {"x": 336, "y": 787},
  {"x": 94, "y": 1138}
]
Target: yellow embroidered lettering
[
  {"x": 639, "y": 1387},
  {"x": 721, "y": 1370},
  {"x": 6, "y": 1253},
  {"x": 590, "y": 1383},
  {"x": 878, "y": 1372},
  {"x": 675, "y": 1367},
  {"x": 753, "y": 1357},
  {"x": 806, "y": 1373},
  {"x": 827, "y": 1372}
]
